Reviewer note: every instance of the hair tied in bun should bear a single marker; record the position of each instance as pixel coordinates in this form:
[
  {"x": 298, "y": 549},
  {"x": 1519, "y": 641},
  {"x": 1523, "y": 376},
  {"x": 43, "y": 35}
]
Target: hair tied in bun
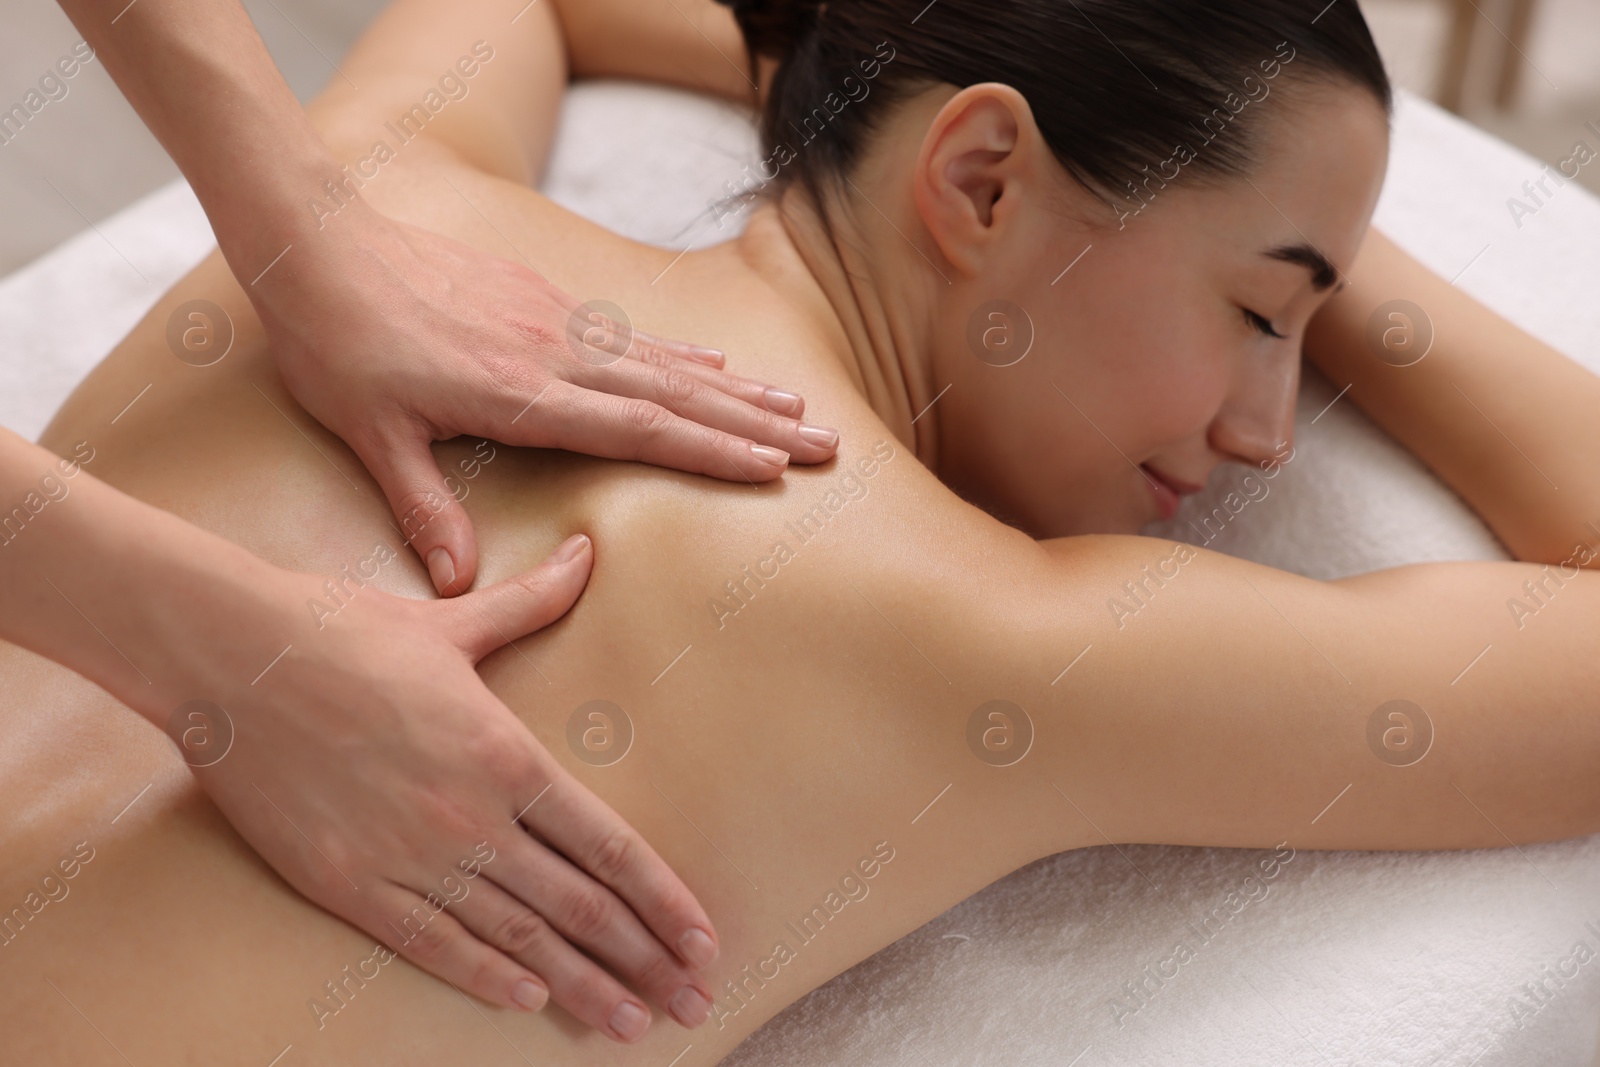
[{"x": 774, "y": 27}]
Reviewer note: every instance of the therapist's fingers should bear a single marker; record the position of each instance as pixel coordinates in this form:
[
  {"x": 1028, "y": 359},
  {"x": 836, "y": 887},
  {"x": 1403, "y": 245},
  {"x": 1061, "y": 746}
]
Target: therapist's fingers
[
  {"x": 576, "y": 982},
  {"x": 578, "y": 824},
  {"x": 759, "y": 394},
  {"x": 598, "y": 423},
  {"x": 435, "y": 941},
  {"x": 594, "y": 919},
  {"x": 603, "y": 342},
  {"x": 594, "y": 838},
  {"x": 486, "y": 619},
  {"x": 677, "y": 387},
  {"x": 706, "y": 365},
  {"x": 710, "y": 357},
  {"x": 429, "y": 516}
]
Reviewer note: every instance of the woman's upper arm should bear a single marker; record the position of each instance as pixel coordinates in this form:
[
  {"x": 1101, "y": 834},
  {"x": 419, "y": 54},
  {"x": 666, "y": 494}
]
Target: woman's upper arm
[
  {"x": 694, "y": 44},
  {"x": 1183, "y": 696},
  {"x": 475, "y": 76}
]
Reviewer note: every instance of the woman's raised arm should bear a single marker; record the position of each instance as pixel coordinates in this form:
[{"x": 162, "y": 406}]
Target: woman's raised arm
[
  {"x": 1507, "y": 421},
  {"x": 1183, "y": 696},
  {"x": 1226, "y": 703},
  {"x": 501, "y": 116}
]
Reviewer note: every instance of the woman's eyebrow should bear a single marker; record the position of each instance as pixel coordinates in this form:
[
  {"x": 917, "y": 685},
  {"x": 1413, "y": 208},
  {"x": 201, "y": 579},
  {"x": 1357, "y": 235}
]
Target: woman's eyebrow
[{"x": 1323, "y": 273}]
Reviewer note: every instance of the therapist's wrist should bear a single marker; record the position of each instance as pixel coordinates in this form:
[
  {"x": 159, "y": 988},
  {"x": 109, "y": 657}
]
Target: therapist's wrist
[
  {"x": 289, "y": 220},
  {"x": 181, "y": 613},
  {"x": 216, "y": 621},
  {"x": 319, "y": 253}
]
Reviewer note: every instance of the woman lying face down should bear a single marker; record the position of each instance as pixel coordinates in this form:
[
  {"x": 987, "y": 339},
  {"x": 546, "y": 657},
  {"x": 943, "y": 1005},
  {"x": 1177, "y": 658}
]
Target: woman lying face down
[
  {"x": 1117, "y": 256},
  {"x": 915, "y": 697}
]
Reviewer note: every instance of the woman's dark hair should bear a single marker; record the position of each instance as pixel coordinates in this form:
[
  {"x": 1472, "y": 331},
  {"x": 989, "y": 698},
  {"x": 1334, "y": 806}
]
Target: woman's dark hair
[{"x": 1117, "y": 87}]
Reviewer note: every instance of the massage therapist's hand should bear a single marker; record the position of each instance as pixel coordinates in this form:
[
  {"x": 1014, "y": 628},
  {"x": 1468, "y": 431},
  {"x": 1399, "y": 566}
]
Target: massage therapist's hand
[
  {"x": 395, "y": 337},
  {"x": 359, "y": 751},
  {"x": 373, "y": 769}
]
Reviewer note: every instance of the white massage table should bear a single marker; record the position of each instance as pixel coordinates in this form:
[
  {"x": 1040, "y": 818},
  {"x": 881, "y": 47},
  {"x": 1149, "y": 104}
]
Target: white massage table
[{"x": 1341, "y": 959}]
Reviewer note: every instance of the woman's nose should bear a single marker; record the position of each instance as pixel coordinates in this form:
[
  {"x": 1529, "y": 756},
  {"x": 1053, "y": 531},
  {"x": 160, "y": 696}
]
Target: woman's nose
[{"x": 1257, "y": 418}]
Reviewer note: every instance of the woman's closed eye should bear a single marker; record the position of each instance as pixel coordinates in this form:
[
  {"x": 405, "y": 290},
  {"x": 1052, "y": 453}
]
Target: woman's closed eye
[{"x": 1261, "y": 324}]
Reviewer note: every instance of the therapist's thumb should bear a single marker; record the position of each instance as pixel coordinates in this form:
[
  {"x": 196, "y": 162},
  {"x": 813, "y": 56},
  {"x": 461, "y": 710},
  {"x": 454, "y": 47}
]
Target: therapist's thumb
[
  {"x": 486, "y": 619},
  {"x": 429, "y": 517}
]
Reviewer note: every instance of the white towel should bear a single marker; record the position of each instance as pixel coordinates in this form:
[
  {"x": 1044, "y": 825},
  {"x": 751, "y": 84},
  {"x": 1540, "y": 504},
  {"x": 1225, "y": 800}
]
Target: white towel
[{"x": 1489, "y": 957}]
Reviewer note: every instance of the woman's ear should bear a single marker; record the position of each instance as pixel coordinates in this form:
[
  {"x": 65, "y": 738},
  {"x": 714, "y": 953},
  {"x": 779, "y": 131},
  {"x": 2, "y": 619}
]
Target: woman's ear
[{"x": 979, "y": 158}]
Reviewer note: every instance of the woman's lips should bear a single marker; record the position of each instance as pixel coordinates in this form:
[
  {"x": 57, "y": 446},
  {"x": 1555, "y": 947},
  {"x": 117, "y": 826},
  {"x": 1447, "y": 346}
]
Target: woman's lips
[{"x": 1167, "y": 492}]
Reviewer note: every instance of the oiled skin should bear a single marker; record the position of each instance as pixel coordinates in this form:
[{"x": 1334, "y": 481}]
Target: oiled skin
[{"x": 775, "y": 748}]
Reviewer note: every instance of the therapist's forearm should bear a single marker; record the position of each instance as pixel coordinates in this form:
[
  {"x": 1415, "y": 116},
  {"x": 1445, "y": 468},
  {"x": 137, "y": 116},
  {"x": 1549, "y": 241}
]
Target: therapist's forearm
[
  {"x": 201, "y": 78},
  {"x": 111, "y": 587}
]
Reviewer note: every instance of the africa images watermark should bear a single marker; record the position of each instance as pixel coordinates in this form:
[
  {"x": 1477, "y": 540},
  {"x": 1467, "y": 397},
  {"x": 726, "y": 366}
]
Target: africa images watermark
[
  {"x": 1574, "y": 161},
  {"x": 811, "y": 127},
  {"x": 52, "y": 490},
  {"x": 1582, "y": 555},
  {"x": 416, "y": 520},
  {"x": 742, "y": 591},
  {"x": 339, "y": 991},
  {"x": 599, "y": 732},
  {"x": 453, "y": 86},
  {"x": 52, "y": 889},
  {"x": 1122, "y": 610},
  {"x": 1532, "y": 998},
  {"x": 1255, "y": 491},
  {"x": 852, "y": 888},
  {"x": 1137, "y": 593},
  {"x": 52, "y": 88},
  {"x": 1139, "y": 991},
  {"x": 337, "y": 591},
  {"x": 1183, "y": 153}
]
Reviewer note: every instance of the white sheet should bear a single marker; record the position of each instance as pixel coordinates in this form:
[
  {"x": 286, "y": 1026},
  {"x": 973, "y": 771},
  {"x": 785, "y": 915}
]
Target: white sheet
[{"x": 1342, "y": 958}]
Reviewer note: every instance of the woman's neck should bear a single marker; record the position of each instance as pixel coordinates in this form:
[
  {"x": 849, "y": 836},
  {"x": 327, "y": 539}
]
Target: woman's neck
[{"x": 864, "y": 286}]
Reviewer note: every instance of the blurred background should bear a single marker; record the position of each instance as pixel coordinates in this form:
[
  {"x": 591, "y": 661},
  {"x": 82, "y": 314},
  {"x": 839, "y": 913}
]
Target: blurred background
[{"x": 1526, "y": 70}]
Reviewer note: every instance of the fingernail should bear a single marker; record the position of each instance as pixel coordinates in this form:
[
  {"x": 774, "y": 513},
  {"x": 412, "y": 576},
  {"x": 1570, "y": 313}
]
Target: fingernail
[
  {"x": 690, "y": 1006},
  {"x": 775, "y": 456},
  {"x": 528, "y": 995},
  {"x": 713, "y": 356},
  {"x": 697, "y": 947},
  {"x": 570, "y": 549},
  {"x": 783, "y": 403},
  {"x": 820, "y": 436},
  {"x": 441, "y": 568},
  {"x": 629, "y": 1020}
]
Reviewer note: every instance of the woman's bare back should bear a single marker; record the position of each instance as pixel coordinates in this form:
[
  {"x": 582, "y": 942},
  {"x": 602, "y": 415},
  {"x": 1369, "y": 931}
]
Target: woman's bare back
[{"x": 780, "y": 721}]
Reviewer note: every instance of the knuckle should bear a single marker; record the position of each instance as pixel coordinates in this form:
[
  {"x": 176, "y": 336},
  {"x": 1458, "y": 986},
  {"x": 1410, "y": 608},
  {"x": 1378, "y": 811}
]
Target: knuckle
[
  {"x": 653, "y": 354},
  {"x": 660, "y": 974},
  {"x": 504, "y": 371},
  {"x": 587, "y": 914},
  {"x": 508, "y": 763},
  {"x": 540, "y": 335},
  {"x": 321, "y": 872},
  {"x": 520, "y": 932},
  {"x": 417, "y": 508},
  {"x": 541, "y": 402},
  {"x": 614, "y": 856},
  {"x": 431, "y": 943},
  {"x": 676, "y": 388},
  {"x": 321, "y": 883},
  {"x": 645, "y": 417},
  {"x": 447, "y": 815}
]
